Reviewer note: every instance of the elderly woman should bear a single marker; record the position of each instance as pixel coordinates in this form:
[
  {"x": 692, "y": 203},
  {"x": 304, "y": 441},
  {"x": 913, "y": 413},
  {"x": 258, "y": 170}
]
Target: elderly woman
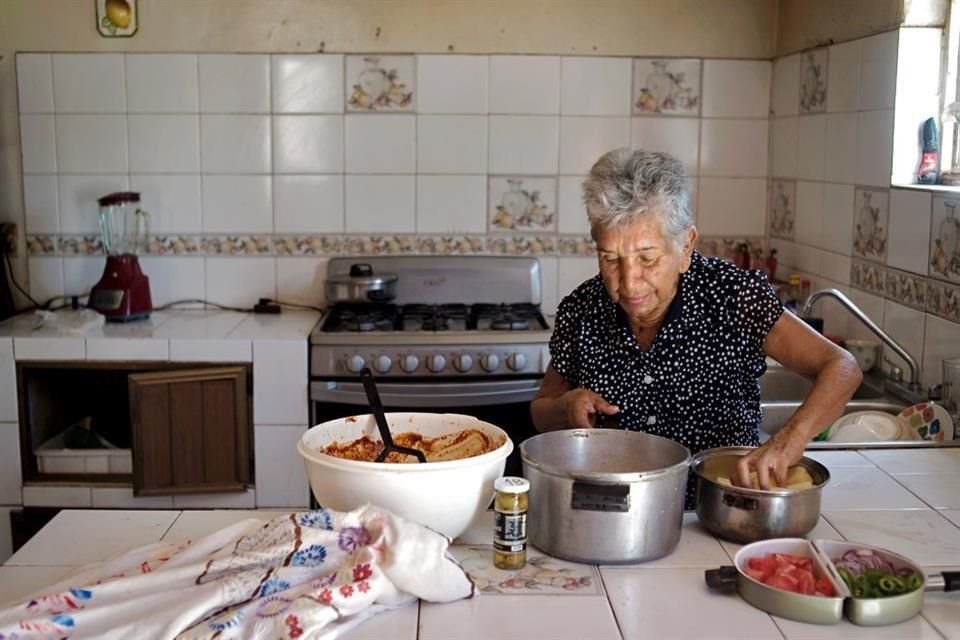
[{"x": 669, "y": 342}]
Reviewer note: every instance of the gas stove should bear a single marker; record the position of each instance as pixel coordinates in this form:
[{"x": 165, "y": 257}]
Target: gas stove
[{"x": 453, "y": 316}]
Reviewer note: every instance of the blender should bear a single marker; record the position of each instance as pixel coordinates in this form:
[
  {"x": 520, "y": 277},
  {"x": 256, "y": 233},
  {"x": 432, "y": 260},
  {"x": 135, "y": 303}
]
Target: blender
[{"x": 123, "y": 292}]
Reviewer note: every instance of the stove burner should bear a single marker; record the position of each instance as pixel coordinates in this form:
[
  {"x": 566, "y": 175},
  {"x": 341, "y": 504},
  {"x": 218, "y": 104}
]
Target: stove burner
[
  {"x": 410, "y": 318},
  {"x": 435, "y": 323},
  {"x": 507, "y": 323}
]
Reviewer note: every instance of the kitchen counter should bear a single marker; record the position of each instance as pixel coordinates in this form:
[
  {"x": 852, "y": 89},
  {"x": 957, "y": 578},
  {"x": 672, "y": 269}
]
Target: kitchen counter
[{"x": 906, "y": 501}]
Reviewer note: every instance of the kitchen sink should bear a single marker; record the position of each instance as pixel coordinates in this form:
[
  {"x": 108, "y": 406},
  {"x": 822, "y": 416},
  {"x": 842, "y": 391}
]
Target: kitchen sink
[{"x": 782, "y": 392}]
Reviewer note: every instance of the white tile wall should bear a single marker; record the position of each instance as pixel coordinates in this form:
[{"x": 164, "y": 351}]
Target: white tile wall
[
  {"x": 451, "y": 204},
  {"x": 234, "y": 83},
  {"x": 91, "y": 143},
  {"x": 453, "y": 84},
  {"x": 308, "y": 84},
  {"x": 584, "y": 139},
  {"x": 525, "y": 84},
  {"x": 811, "y": 146},
  {"x": 237, "y": 204},
  {"x": 843, "y": 77},
  {"x": 837, "y": 223},
  {"x": 524, "y": 144},
  {"x": 10, "y": 477},
  {"x": 878, "y": 71},
  {"x": 40, "y": 203},
  {"x": 40, "y": 153},
  {"x": 8, "y": 382},
  {"x": 906, "y": 326},
  {"x": 88, "y": 83},
  {"x": 300, "y": 280},
  {"x": 875, "y": 147},
  {"x": 452, "y": 144},
  {"x": 284, "y": 400},
  {"x": 280, "y": 479},
  {"x": 736, "y": 89},
  {"x": 909, "y": 238},
  {"x": 729, "y": 206},
  {"x": 305, "y": 204},
  {"x": 235, "y": 144},
  {"x": 571, "y": 214},
  {"x": 162, "y": 83},
  {"x": 78, "y": 200},
  {"x": 595, "y": 86},
  {"x": 680, "y": 137},
  {"x": 164, "y": 143},
  {"x": 840, "y": 147},
  {"x": 380, "y": 204},
  {"x": 174, "y": 278},
  {"x": 733, "y": 148},
  {"x": 240, "y": 282},
  {"x": 784, "y": 134},
  {"x": 380, "y": 143},
  {"x": 308, "y": 144},
  {"x": 35, "y": 82},
  {"x": 173, "y": 202},
  {"x": 809, "y": 223}
]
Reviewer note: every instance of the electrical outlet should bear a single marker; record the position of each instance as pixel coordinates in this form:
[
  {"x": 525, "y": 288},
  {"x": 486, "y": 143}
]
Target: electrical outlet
[{"x": 8, "y": 238}]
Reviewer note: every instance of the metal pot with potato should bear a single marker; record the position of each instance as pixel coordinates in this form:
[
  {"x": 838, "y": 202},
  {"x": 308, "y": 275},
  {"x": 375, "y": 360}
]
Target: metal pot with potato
[{"x": 747, "y": 514}]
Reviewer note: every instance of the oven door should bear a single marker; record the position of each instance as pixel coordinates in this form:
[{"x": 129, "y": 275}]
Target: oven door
[{"x": 505, "y": 403}]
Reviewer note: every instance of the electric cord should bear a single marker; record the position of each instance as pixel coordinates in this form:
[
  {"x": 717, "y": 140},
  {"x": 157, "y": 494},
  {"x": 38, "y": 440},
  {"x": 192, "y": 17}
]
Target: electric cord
[
  {"x": 36, "y": 305},
  {"x": 176, "y": 303}
]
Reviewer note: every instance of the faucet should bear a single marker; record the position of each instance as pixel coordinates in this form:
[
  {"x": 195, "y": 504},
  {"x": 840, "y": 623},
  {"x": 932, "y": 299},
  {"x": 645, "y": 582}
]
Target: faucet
[{"x": 911, "y": 393}]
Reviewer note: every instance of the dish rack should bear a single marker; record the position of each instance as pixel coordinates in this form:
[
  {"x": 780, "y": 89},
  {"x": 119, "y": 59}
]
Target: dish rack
[{"x": 53, "y": 456}]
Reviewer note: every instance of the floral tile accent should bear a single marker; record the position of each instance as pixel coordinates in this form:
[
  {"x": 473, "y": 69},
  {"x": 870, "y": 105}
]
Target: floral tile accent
[
  {"x": 173, "y": 245},
  {"x": 813, "y": 81},
  {"x": 868, "y": 276},
  {"x": 666, "y": 87},
  {"x": 576, "y": 246},
  {"x": 521, "y": 246},
  {"x": 542, "y": 574},
  {"x": 80, "y": 245},
  {"x": 236, "y": 245},
  {"x": 380, "y": 83},
  {"x": 42, "y": 245},
  {"x": 783, "y": 208},
  {"x": 871, "y": 211},
  {"x": 945, "y": 240},
  {"x": 523, "y": 204},
  {"x": 308, "y": 245},
  {"x": 378, "y": 245},
  {"x": 451, "y": 245},
  {"x": 732, "y": 248},
  {"x": 906, "y": 288},
  {"x": 943, "y": 300}
]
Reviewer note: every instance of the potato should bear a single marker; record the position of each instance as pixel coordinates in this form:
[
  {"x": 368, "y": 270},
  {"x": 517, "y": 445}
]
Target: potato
[{"x": 798, "y": 478}]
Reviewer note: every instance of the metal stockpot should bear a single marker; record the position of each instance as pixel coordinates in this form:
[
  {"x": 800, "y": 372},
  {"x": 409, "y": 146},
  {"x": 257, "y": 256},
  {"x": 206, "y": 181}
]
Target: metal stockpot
[
  {"x": 746, "y": 515},
  {"x": 361, "y": 285},
  {"x": 605, "y": 496}
]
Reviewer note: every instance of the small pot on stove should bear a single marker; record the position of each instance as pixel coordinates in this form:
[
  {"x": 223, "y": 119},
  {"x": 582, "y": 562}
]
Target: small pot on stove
[{"x": 361, "y": 284}]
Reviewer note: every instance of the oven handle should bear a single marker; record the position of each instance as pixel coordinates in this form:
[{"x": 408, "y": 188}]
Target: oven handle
[{"x": 416, "y": 394}]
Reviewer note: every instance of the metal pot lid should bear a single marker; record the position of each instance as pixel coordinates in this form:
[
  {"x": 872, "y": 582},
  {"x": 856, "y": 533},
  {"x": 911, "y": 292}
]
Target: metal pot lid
[
  {"x": 362, "y": 273},
  {"x": 604, "y": 455}
]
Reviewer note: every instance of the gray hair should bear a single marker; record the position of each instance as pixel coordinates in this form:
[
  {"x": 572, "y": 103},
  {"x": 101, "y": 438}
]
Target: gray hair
[{"x": 626, "y": 184}]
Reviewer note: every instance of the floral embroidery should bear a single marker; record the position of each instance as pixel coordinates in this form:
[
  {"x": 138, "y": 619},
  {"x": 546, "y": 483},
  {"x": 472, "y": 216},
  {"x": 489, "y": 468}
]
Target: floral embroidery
[
  {"x": 362, "y": 572},
  {"x": 352, "y": 538},
  {"x": 326, "y": 596},
  {"x": 319, "y": 519},
  {"x": 325, "y": 581},
  {"x": 293, "y": 626},
  {"x": 223, "y": 623},
  {"x": 346, "y": 590},
  {"x": 311, "y": 556},
  {"x": 273, "y": 585},
  {"x": 59, "y": 602},
  {"x": 273, "y": 606},
  {"x": 363, "y": 587}
]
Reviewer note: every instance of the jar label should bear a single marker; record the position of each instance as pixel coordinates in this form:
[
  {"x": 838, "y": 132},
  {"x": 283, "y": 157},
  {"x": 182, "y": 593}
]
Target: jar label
[{"x": 509, "y": 531}]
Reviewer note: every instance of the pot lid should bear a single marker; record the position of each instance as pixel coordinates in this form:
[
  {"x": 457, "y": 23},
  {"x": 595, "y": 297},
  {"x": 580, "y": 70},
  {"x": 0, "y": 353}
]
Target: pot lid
[{"x": 362, "y": 273}]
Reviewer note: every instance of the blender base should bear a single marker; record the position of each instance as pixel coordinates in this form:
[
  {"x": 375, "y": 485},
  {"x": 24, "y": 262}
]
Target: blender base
[{"x": 123, "y": 292}]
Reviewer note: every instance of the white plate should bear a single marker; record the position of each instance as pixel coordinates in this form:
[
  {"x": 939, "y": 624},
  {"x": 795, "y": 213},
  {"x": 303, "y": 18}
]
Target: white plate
[{"x": 867, "y": 426}]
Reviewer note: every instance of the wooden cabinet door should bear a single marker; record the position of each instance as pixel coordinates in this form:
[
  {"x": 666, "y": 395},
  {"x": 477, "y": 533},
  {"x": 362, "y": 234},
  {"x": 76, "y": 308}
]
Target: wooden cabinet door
[{"x": 191, "y": 431}]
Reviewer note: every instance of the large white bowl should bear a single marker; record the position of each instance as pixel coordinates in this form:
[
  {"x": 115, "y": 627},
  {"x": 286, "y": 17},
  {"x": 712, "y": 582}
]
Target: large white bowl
[{"x": 445, "y": 496}]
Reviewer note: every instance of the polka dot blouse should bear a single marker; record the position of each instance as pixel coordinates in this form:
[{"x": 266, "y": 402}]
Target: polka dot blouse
[{"x": 697, "y": 384}]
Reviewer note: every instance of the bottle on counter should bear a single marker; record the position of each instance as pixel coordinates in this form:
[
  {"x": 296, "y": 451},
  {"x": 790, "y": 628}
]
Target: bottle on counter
[
  {"x": 929, "y": 168},
  {"x": 510, "y": 523}
]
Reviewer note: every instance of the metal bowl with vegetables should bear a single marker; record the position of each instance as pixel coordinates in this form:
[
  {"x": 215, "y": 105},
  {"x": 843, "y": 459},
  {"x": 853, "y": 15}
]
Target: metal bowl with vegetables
[{"x": 824, "y": 580}]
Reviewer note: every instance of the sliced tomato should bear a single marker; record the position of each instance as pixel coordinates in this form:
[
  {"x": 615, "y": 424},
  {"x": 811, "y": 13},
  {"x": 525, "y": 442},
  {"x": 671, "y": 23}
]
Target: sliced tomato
[
  {"x": 788, "y": 572},
  {"x": 825, "y": 587}
]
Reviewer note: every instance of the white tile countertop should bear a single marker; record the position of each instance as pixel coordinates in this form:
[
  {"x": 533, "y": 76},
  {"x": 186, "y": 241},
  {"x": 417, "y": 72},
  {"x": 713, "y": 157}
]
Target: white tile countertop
[{"x": 917, "y": 513}]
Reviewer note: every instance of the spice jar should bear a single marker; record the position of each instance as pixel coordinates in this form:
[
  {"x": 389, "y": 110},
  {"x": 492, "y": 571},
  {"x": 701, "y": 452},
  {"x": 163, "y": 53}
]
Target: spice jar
[{"x": 510, "y": 523}]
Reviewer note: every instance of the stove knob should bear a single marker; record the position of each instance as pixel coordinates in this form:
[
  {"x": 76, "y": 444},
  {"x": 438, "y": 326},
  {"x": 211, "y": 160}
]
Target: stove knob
[
  {"x": 356, "y": 363},
  {"x": 382, "y": 364},
  {"x": 436, "y": 363},
  {"x": 516, "y": 361},
  {"x": 409, "y": 363},
  {"x": 463, "y": 362},
  {"x": 490, "y": 361}
]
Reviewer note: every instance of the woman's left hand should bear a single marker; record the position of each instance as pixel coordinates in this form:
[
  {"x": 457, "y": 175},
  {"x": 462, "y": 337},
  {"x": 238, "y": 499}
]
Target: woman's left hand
[{"x": 772, "y": 459}]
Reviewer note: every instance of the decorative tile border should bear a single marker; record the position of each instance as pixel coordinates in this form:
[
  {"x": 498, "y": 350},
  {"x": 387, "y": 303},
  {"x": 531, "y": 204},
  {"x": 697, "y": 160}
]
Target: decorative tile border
[
  {"x": 379, "y": 245},
  {"x": 41, "y": 245},
  {"x": 542, "y": 574},
  {"x": 906, "y": 288},
  {"x": 868, "y": 276},
  {"x": 943, "y": 300},
  {"x": 451, "y": 245},
  {"x": 576, "y": 246},
  {"x": 307, "y": 245},
  {"x": 237, "y": 245},
  {"x": 174, "y": 245},
  {"x": 731, "y": 248},
  {"x": 522, "y": 246},
  {"x": 80, "y": 245}
]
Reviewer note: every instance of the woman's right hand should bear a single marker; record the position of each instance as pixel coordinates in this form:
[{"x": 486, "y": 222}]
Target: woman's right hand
[{"x": 582, "y": 407}]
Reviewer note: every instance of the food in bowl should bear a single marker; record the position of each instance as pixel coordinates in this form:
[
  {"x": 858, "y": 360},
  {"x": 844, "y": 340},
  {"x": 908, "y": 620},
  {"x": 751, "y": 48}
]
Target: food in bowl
[
  {"x": 458, "y": 445},
  {"x": 798, "y": 478},
  {"x": 444, "y": 495},
  {"x": 868, "y": 574},
  {"x": 789, "y": 572}
]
